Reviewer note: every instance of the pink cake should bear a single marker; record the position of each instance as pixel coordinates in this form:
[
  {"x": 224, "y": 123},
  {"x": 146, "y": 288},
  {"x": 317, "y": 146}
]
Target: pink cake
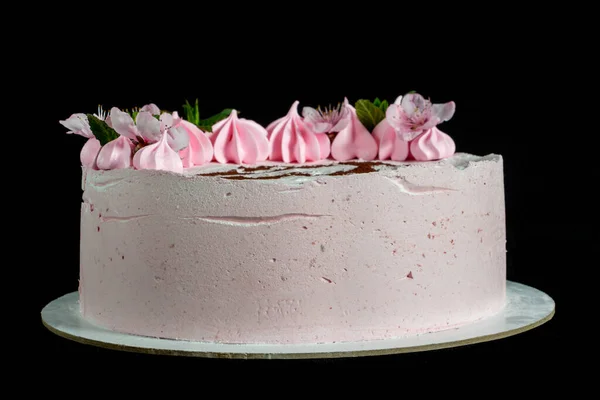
[{"x": 306, "y": 239}]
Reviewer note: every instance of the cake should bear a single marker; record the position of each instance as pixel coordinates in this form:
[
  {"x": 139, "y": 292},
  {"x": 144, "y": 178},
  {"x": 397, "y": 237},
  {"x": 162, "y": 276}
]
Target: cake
[{"x": 331, "y": 226}]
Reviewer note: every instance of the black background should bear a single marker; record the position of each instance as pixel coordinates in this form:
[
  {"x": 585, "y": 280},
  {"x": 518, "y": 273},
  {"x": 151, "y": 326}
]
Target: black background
[{"x": 509, "y": 99}]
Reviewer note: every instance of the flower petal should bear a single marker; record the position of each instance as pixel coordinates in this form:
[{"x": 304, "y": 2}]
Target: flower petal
[
  {"x": 444, "y": 111},
  {"x": 178, "y": 138},
  {"x": 148, "y": 127},
  {"x": 78, "y": 124},
  {"x": 123, "y": 124},
  {"x": 310, "y": 113},
  {"x": 151, "y": 108},
  {"x": 166, "y": 121},
  {"x": 345, "y": 118}
]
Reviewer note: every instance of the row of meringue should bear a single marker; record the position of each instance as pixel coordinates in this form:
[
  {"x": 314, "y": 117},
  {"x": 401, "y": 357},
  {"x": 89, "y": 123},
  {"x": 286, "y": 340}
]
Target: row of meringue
[{"x": 168, "y": 142}]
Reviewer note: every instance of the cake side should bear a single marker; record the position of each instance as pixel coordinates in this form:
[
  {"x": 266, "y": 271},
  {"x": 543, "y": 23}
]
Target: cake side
[{"x": 283, "y": 254}]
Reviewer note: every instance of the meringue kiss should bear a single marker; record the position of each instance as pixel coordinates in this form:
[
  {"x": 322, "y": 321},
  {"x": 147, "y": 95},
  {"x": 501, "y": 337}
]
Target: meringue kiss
[
  {"x": 116, "y": 154},
  {"x": 238, "y": 140},
  {"x": 353, "y": 140},
  {"x": 433, "y": 144},
  {"x": 158, "y": 156},
  {"x": 199, "y": 150},
  {"x": 291, "y": 139}
]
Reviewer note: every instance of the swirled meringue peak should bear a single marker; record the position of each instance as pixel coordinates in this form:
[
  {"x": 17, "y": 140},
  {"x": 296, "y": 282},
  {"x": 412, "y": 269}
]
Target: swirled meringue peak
[
  {"x": 116, "y": 154},
  {"x": 433, "y": 144},
  {"x": 89, "y": 152},
  {"x": 292, "y": 140},
  {"x": 158, "y": 156},
  {"x": 199, "y": 150},
  {"x": 391, "y": 145},
  {"x": 239, "y": 140},
  {"x": 353, "y": 140}
]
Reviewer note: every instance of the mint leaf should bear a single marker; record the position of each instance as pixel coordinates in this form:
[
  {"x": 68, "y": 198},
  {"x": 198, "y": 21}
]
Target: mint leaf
[
  {"x": 206, "y": 124},
  {"x": 384, "y": 105},
  {"x": 369, "y": 114},
  {"x": 192, "y": 114},
  {"x": 377, "y": 102},
  {"x": 101, "y": 130}
]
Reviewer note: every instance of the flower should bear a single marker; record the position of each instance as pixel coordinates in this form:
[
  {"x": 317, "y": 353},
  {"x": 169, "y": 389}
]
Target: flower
[
  {"x": 78, "y": 123},
  {"x": 147, "y": 129},
  {"x": 331, "y": 119},
  {"x": 411, "y": 115}
]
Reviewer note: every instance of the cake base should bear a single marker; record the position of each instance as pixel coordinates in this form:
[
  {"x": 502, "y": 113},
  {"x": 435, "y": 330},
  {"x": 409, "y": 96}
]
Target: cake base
[{"x": 526, "y": 308}]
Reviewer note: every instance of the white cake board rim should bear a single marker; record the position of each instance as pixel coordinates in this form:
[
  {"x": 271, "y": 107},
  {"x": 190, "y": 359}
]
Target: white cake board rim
[{"x": 526, "y": 308}]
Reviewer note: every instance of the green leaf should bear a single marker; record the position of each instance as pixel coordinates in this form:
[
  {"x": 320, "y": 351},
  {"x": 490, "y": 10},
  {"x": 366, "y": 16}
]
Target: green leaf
[
  {"x": 207, "y": 124},
  {"x": 192, "y": 114},
  {"x": 377, "y": 102},
  {"x": 369, "y": 114},
  {"x": 101, "y": 130},
  {"x": 384, "y": 106}
]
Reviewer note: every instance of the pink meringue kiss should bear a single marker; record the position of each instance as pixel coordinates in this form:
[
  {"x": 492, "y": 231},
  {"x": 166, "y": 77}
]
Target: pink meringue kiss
[
  {"x": 199, "y": 150},
  {"x": 390, "y": 143},
  {"x": 116, "y": 154},
  {"x": 353, "y": 140},
  {"x": 291, "y": 140},
  {"x": 158, "y": 156},
  {"x": 238, "y": 140},
  {"x": 89, "y": 153},
  {"x": 433, "y": 144}
]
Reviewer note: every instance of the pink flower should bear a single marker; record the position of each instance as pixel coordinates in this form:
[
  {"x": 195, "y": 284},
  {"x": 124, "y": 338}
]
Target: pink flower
[
  {"x": 147, "y": 129},
  {"x": 328, "y": 120},
  {"x": 411, "y": 115},
  {"x": 409, "y": 129},
  {"x": 78, "y": 123}
]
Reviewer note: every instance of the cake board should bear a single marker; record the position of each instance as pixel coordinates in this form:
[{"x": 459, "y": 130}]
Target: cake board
[{"x": 525, "y": 309}]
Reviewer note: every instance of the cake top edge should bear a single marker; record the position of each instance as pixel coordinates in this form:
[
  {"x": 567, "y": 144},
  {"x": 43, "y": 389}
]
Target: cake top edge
[
  {"x": 364, "y": 131},
  {"x": 268, "y": 170}
]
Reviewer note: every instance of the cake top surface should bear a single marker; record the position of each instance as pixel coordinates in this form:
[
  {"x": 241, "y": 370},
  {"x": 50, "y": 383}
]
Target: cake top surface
[{"x": 331, "y": 141}]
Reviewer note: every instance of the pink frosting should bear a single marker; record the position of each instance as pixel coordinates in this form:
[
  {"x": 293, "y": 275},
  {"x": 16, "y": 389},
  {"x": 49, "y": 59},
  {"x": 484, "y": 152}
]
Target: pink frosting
[
  {"x": 353, "y": 140},
  {"x": 116, "y": 154},
  {"x": 403, "y": 250},
  {"x": 89, "y": 152},
  {"x": 433, "y": 144},
  {"x": 199, "y": 150},
  {"x": 291, "y": 140},
  {"x": 391, "y": 145},
  {"x": 158, "y": 156},
  {"x": 238, "y": 140}
]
